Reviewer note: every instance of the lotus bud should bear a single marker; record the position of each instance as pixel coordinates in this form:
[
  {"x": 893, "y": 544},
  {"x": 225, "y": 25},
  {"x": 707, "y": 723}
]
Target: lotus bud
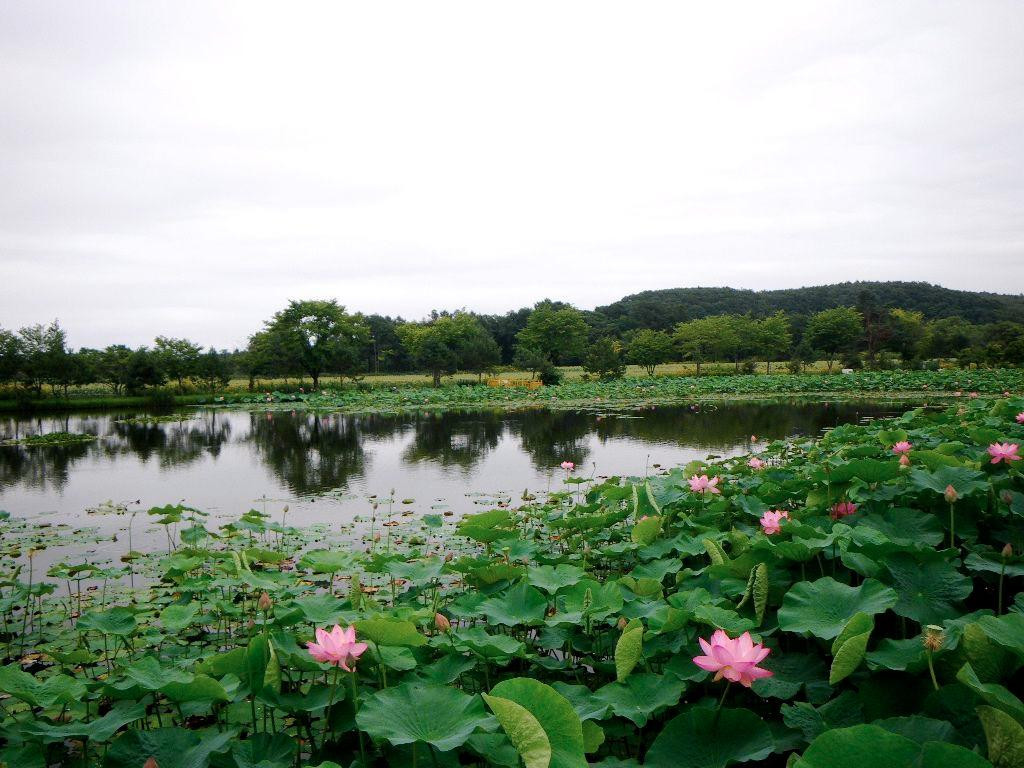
[
  {"x": 265, "y": 603},
  {"x": 448, "y": 557},
  {"x": 286, "y": 509},
  {"x": 1007, "y": 497},
  {"x": 250, "y": 625},
  {"x": 950, "y": 494},
  {"x": 1007, "y": 550},
  {"x": 934, "y": 637},
  {"x": 442, "y": 623},
  {"x": 621, "y": 624},
  {"x": 904, "y": 460},
  {"x": 151, "y": 763}
]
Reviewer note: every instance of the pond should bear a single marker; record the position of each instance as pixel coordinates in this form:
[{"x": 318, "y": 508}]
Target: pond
[{"x": 327, "y": 467}]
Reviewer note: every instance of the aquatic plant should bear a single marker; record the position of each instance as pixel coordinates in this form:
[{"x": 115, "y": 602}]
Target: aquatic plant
[{"x": 582, "y": 626}]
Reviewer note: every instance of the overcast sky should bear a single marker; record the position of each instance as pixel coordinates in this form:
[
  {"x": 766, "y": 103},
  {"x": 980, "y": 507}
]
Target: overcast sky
[{"x": 186, "y": 168}]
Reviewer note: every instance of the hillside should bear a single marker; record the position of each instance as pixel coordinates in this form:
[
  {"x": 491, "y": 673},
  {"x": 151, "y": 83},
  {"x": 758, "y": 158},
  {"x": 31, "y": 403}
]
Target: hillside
[{"x": 664, "y": 308}]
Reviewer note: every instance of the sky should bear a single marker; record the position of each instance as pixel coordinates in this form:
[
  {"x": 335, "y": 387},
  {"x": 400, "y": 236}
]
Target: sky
[{"x": 186, "y": 168}]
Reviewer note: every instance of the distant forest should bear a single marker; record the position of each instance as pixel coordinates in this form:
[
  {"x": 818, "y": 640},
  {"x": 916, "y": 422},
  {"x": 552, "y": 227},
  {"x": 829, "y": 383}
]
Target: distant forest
[{"x": 873, "y": 324}]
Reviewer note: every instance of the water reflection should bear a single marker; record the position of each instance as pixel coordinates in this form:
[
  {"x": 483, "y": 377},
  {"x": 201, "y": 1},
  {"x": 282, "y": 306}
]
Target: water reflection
[
  {"x": 308, "y": 452},
  {"x": 224, "y": 459}
]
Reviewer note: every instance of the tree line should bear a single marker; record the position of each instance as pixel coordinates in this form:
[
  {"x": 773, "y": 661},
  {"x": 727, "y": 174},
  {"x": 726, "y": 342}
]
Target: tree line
[{"x": 316, "y": 338}]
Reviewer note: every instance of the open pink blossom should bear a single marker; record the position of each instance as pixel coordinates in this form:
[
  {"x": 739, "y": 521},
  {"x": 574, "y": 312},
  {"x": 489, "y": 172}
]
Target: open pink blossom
[
  {"x": 1004, "y": 452},
  {"x": 843, "y": 509},
  {"x": 568, "y": 466},
  {"x": 902, "y": 447},
  {"x": 337, "y": 647},
  {"x": 1020, "y": 417},
  {"x": 734, "y": 659},
  {"x": 701, "y": 484},
  {"x": 771, "y": 521},
  {"x": 755, "y": 463}
]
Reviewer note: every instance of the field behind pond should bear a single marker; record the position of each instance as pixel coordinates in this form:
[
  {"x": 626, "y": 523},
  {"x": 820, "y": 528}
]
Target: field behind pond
[{"x": 852, "y": 600}]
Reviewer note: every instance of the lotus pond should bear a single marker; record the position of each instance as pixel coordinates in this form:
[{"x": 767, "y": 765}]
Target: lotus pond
[
  {"x": 330, "y": 468},
  {"x": 849, "y": 600}
]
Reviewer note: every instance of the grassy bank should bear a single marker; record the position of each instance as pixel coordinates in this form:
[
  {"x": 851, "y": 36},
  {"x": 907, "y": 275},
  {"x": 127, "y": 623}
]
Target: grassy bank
[
  {"x": 643, "y": 391},
  {"x": 629, "y": 390}
]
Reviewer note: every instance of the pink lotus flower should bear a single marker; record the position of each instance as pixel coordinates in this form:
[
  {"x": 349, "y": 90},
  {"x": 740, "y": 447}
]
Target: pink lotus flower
[
  {"x": 901, "y": 447},
  {"x": 1003, "y": 452},
  {"x": 843, "y": 509},
  {"x": 1020, "y": 417},
  {"x": 568, "y": 466},
  {"x": 337, "y": 647},
  {"x": 735, "y": 660},
  {"x": 905, "y": 460},
  {"x": 701, "y": 484},
  {"x": 755, "y": 463},
  {"x": 972, "y": 394},
  {"x": 771, "y": 521}
]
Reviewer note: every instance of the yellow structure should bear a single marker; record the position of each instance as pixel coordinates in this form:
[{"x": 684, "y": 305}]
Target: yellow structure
[{"x": 527, "y": 383}]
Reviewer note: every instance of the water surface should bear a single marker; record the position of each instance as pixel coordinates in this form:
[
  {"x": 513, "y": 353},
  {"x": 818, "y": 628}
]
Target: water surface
[{"x": 326, "y": 467}]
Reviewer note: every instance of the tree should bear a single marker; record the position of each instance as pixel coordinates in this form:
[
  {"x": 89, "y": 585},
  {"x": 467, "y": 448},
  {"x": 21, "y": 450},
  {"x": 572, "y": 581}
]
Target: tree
[
  {"x": 604, "y": 358},
  {"x": 143, "y": 370},
  {"x": 112, "y": 366},
  {"x": 906, "y": 332},
  {"x": 558, "y": 331},
  {"x": 833, "y": 331},
  {"x": 317, "y": 337},
  {"x": 708, "y": 338},
  {"x": 480, "y": 353},
  {"x": 449, "y": 342},
  {"x": 948, "y": 337},
  {"x": 530, "y": 359},
  {"x": 10, "y": 356},
  {"x": 43, "y": 349},
  {"x": 177, "y": 358},
  {"x": 773, "y": 339},
  {"x": 211, "y": 370},
  {"x": 649, "y": 349}
]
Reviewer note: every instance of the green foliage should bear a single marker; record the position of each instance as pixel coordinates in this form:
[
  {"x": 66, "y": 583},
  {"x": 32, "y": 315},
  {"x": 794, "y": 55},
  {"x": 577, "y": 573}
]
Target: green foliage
[{"x": 572, "y": 620}]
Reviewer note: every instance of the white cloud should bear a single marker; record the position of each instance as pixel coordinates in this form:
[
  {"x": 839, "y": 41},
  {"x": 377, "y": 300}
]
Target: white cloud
[{"x": 187, "y": 168}]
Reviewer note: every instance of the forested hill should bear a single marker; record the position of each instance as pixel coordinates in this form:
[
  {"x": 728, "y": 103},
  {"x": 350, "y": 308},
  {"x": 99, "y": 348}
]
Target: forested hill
[{"x": 665, "y": 308}]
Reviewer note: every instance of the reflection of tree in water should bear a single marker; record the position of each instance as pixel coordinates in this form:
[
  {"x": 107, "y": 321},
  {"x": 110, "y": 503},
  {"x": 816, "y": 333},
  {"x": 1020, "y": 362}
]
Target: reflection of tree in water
[
  {"x": 551, "y": 437},
  {"x": 719, "y": 427},
  {"x": 454, "y": 439},
  {"x": 43, "y": 467},
  {"x": 173, "y": 443},
  {"x": 309, "y": 452}
]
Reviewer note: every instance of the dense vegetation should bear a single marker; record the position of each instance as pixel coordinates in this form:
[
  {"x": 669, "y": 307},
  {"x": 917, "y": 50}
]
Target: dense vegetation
[
  {"x": 313, "y": 338},
  {"x": 853, "y": 601},
  {"x": 642, "y": 390}
]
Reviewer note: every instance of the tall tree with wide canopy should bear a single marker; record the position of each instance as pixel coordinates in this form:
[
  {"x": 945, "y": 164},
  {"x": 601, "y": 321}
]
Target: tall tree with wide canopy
[
  {"x": 559, "y": 331},
  {"x": 317, "y": 337},
  {"x": 449, "y": 342},
  {"x": 834, "y": 331}
]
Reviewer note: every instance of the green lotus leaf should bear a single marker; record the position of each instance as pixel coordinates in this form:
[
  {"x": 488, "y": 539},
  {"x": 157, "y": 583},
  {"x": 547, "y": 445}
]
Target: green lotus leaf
[
  {"x": 697, "y": 739},
  {"x": 553, "y": 713},
  {"x": 170, "y": 747},
  {"x": 823, "y": 607},
  {"x": 552, "y": 578},
  {"x": 437, "y": 715},
  {"x": 929, "y": 591},
  {"x": 640, "y": 696},
  {"x": 520, "y": 604},
  {"x": 628, "y": 652}
]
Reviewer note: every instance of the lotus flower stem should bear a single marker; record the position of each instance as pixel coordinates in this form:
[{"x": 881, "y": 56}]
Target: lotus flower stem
[
  {"x": 355, "y": 711},
  {"x": 952, "y": 525},
  {"x": 721, "y": 701}
]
